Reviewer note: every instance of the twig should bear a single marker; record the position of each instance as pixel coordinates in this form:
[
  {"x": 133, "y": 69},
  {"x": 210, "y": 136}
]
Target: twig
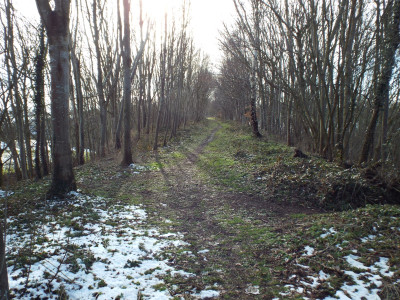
[{"x": 57, "y": 271}]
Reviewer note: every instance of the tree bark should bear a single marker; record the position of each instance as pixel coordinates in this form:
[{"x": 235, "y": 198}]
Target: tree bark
[
  {"x": 79, "y": 99},
  {"x": 391, "y": 44},
  {"x": 253, "y": 108},
  {"x": 99, "y": 85},
  {"x": 127, "y": 89},
  {"x": 43, "y": 141},
  {"x": 56, "y": 23},
  {"x": 13, "y": 79},
  {"x": 162, "y": 92},
  {"x": 39, "y": 100},
  {"x": 4, "y": 290}
]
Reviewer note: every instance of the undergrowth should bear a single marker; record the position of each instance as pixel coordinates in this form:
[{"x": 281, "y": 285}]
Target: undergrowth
[{"x": 237, "y": 160}]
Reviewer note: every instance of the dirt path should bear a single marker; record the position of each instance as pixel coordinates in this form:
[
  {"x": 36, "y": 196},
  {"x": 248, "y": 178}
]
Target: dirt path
[
  {"x": 240, "y": 204},
  {"x": 219, "y": 225}
]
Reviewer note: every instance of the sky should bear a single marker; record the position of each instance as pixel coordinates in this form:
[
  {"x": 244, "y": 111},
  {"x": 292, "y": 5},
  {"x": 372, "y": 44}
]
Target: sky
[{"x": 207, "y": 18}]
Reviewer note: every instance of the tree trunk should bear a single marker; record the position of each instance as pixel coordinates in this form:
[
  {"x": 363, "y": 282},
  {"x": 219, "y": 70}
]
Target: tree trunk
[
  {"x": 79, "y": 100},
  {"x": 39, "y": 100},
  {"x": 385, "y": 119},
  {"x": 127, "y": 61},
  {"x": 43, "y": 141},
  {"x": 27, "y": 134},
  {"x": 253, "y": 109},
  {"x": 13, "y": 78},
  {"x": 391, "y": 44},
  {"x": 99, "y": 85},
  {"x": 4, "y": 290},
  {"x": 162, "y": 92},
  {"x": 56, "y": 23},
  {"x": 14, "y": 155},
  {"x": 63, "y": 177},
  {"x": 149, "y": 76},
  {"x": 118, "y": 130}
]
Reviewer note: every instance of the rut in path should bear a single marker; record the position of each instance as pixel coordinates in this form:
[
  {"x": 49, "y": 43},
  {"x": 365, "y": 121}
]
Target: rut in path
[
  {"x": 190, "y": 193},
  {"x": 198, "y": 206}
]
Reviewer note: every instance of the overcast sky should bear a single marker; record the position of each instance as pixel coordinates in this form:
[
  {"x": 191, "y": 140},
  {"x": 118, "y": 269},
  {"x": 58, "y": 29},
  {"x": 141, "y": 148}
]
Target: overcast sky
[{"x": 207, "y": 17}]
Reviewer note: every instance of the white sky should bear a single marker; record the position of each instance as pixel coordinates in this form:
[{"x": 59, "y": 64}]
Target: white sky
[{"x": 207, "y": 18}]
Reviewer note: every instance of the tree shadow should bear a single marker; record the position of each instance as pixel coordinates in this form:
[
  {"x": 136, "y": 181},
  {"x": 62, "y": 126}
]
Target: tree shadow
[{"x": 162, "y": 170}]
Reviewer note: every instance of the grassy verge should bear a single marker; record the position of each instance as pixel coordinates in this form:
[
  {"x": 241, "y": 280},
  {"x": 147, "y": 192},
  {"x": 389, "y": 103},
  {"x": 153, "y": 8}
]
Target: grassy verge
[
  {"x": 236, "y": 160},
  {"x": 303, "y": 255}
]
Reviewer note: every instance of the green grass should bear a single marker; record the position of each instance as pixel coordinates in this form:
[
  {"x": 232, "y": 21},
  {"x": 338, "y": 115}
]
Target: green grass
[
  {"x": 235, "y": 158},
  {"x": 240, "y": 162},
  {"x": 263, "y": 249}
]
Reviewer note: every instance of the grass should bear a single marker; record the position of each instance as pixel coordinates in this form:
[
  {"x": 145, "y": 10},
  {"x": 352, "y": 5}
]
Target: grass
[
  {"x": 255, "y": 208},
  {"x": 238, "y": 161}
]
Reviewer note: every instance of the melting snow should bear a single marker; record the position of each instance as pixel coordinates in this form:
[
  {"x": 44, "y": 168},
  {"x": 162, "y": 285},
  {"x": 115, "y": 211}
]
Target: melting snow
[
  {"x": 252, "y": 290},
  {"x": 352, "y": 261},
  {"x": 106, "y": 253},
  {"x": 323, "y": 275},
  {"x": 362, "y": 287},
  {"x": 368, "y": 238},
  {"x": 292, "y": 289},
  {"x": 365, "y": 283},
  {"x": 339, "y": 247},
  {"x": 316, "y": 280},
  {"x": 137, "y": 167},
  {"x": 328, "y": 232},
  {"x": 358, "y": 291},
  {"x": 203, "y": 251},
  {"x": 206, "y": 294},
  {"x": 308, "y": 251},
  {"x": 382, "y": 264},
  {"x": 5, "y": 193},
  {"x": 303, "y": 266}
]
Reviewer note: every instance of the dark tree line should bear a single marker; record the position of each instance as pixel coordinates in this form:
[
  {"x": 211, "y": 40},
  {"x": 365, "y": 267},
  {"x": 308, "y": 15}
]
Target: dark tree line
[
  {"x": 325, "y": 75},
  {"x": 91, "y": 78}
]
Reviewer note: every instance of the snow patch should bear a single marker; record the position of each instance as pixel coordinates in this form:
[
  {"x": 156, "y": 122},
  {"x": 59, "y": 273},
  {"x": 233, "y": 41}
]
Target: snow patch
[
  {"x": 371, "y": 237},
  {"x": 328, "y": 232},
  {"x": 93, "y": 249},
  {"x": 137, "y": 167},
  {"x": 363, "y": 280},
  {"x": 206, "y": 294},
  {"x": 303, "y": 266},
  {"x": 308, "y": 251},
  {"x": 383, "y": 266},
  {"x": 252, "y": 290},
  {"x": 352, "y": 261},
  {"x": 203, "y": 251},
  {"x": 4, "y": 194},
  {"x": 360, "y": 290}
]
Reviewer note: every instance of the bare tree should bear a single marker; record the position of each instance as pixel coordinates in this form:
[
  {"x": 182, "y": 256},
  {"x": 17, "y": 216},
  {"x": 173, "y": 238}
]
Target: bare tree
[
  {"x": 162, "y": 84},
  {"x": 99, "y": 81},
  {"x": 16, "y": 101},
  {"x": 391, "y": 43},
  {"x": 76, "y": 66},
  {"x": 317, "y": 65}
]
